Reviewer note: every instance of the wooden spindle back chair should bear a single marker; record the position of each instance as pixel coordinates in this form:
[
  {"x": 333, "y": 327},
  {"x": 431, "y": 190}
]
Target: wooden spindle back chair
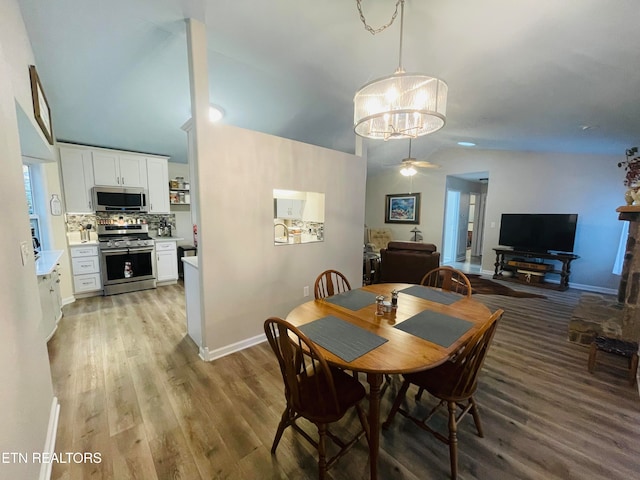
[
  {"x": 448, "y": 279},
  {"x": 313, "y": 390},
  {"x": 330, "y": 282},
  {"x": 453, "y": 384}
]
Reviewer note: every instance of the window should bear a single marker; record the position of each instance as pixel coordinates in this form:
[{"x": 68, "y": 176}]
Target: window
[
  {"x": 622, "y": 247},
  {"x": 33, "y": 215}
]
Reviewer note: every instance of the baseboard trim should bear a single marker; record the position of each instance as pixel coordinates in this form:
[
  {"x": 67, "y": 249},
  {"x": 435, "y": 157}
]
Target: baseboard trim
[
  {"x": 591, "y": 288},
  {"x": 209, "y": 355},
  {"x": 50, "y": 442},
  {"x": 68, "y": 300}
]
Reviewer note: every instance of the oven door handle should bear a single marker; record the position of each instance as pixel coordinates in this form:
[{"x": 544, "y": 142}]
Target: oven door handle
[{"x": 129, "y": 250}]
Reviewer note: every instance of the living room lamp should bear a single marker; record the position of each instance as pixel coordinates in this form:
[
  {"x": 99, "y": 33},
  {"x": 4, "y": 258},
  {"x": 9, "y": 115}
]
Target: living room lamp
[{"x": 402, "y": 105}]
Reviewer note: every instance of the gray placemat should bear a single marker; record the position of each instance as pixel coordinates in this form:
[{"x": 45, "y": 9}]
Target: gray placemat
[
  {"x": 435, "y": 327},
  {"x": 353, "y": 299},
  {"x": 341, "y": 338},
  {"x": 433, "y": 295}
]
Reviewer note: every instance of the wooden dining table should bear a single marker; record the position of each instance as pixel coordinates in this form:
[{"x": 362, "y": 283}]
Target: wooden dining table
[{"x": 402, "y": 352}]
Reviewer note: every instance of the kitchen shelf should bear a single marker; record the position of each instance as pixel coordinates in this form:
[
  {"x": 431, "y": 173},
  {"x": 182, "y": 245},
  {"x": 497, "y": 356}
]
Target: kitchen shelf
[{"x": 175, "y": 193}]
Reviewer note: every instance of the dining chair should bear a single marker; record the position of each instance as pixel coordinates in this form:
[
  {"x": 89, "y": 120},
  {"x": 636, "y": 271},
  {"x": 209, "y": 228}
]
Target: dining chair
[
  {"x": 329, "y": 283},
  {"x": 448, "y": 279},
  {"x": 313, "y": 390},
  {"x": 453, "y": 383}
]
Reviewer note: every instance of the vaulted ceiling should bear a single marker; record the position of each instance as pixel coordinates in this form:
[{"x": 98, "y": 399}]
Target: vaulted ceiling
[{"x": 535, "y": 75}]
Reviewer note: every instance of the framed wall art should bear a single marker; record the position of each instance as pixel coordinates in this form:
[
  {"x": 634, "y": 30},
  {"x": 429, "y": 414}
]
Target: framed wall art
[
  {"x": 402, "y": 208},
  {"x": 41, "y": 108}
]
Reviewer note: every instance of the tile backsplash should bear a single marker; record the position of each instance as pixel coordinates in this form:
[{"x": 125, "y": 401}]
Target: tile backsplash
[{"x": 74, "y": 221}]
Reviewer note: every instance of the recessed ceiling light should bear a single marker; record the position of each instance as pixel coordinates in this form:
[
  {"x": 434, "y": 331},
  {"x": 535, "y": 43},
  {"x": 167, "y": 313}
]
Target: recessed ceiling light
[
  {"x": 215, "y": 113},
  {"x": 588, "y": 127},
  {"x": 466, "y": 144}
]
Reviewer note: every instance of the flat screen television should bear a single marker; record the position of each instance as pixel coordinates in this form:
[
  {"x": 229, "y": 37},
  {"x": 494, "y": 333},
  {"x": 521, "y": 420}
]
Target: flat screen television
[{"x": 538, "y": 232}]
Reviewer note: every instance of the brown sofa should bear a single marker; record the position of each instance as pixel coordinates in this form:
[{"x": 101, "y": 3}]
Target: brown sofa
[{"x": 407, "y": 262}]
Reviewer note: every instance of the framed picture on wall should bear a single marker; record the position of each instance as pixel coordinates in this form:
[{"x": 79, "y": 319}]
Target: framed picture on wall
[
  {"x": 40, "y": 105},
  {"x": 402, "y": 208}
]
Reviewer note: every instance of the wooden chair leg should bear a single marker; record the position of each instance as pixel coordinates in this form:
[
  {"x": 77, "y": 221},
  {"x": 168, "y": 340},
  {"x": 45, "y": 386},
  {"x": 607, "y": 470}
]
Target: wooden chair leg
[
  {"x": 476, "y": 416},
  {"x": 284, "y": 423},
  {"x": 396, "y": 404},
  {"x": 419, "y": 394},
  {"x": 322, "y": 454},
  {"x": 453, "y": 440},
  {"x": 592, "y": 357},
  {"x": 633, "y": 369}
]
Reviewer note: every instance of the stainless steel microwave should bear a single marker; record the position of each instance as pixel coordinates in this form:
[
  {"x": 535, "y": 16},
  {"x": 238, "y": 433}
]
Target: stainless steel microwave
[{"x": 119, "y": 199}]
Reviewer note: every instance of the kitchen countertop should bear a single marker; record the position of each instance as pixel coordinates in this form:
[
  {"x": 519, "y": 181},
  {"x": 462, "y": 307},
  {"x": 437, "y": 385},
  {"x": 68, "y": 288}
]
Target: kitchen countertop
[
  {"x": 167, "y": 239},
  {"x": 47, "y": 261},
  {"x": 193, "y": 261},
  {"x": 79, "y": 243}
]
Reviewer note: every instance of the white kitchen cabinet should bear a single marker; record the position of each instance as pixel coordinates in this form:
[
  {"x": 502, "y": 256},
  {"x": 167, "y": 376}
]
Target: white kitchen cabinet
[
  {"x": 289, "y": 208},
  {"x": 84, "y": 167},
  {"x": 192, "y": 300},
  {"x": 77, "y": 179},
  {"x": 85, "y": 265},
  {"x": 166, "y": 262},
  {"x": 119, "y": 169},
  {"x": 50, "y": 301},
  {"x": 158, "y": 185}
]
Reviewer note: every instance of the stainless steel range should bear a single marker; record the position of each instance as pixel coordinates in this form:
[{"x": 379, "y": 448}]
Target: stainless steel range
[{"x": 127, "y": 255}]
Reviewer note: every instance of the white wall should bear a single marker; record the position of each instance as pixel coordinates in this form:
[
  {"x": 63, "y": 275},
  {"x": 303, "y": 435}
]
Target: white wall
[
  {"x": 523, "y": 182},
  {"x": 245, "y": 277},
  {"x": 26, "y": 391}
]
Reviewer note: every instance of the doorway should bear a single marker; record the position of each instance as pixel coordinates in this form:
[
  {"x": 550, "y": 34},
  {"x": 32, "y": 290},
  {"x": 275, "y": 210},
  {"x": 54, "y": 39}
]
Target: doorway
[{"x": 463, "y": 229}]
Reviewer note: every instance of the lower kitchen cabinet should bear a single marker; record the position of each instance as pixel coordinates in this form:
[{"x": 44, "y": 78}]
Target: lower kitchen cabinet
[
  {"x": 166, "y": 262},
  {"x": 85, "y": 264},
  {"x": 50, "y": 302}
]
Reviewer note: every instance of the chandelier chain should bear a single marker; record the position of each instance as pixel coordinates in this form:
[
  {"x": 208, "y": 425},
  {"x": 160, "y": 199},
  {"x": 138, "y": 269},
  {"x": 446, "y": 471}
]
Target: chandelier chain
[{"x": 368, "y": 27}]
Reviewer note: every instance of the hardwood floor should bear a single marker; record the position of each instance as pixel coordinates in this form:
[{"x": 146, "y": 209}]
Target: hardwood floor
[{"x": 132, "y": 387}]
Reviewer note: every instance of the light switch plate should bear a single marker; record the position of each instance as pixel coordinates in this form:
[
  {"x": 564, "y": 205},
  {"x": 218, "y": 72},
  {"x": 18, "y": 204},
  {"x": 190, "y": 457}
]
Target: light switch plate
[
  {"x": 306, "y": 291},
  {"x": 24, "y": 252}
]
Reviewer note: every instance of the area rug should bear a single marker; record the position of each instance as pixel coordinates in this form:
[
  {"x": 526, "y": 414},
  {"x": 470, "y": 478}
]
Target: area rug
[{"x": 489, "y": 287}]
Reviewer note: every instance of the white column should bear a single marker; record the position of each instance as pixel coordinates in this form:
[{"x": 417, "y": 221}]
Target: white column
[{"x": 199, "y": 88}]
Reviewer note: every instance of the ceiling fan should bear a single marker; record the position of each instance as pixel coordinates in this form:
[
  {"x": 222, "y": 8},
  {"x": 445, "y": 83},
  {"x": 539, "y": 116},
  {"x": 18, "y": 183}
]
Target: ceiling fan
[{"x": 409, "y": 164}]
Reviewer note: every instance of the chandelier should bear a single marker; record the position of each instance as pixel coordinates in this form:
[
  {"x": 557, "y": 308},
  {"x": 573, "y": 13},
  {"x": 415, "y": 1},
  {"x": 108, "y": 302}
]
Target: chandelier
[{"x": 402, "y": 105}]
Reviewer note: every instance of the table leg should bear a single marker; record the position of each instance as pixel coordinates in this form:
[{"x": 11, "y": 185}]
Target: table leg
[{"x": 375, "y": 380}]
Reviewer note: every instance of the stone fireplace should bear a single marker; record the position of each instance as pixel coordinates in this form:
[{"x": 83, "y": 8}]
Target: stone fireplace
[
  {"x": 607, "y": 315},
  {"x": 629, "y": 289}
]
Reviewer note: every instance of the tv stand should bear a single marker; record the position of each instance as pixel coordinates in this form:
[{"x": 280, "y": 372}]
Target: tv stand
[{"x": 535, "y": 267}]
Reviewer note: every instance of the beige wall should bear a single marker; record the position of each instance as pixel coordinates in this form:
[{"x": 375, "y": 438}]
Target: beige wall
[
  {"x": 245, "y": 277},
  {"x": 523, "y": 182},
  {"x": 26, "y": 393}
]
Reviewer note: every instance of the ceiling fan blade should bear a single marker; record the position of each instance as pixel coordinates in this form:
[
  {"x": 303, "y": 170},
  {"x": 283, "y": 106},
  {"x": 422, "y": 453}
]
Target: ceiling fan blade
[{"x": 424, "y": 164}]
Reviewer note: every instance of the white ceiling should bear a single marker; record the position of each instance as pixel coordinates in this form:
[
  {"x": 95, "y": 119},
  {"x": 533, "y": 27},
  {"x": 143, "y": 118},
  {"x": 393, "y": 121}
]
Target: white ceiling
[{"x": 522, "y": 75}]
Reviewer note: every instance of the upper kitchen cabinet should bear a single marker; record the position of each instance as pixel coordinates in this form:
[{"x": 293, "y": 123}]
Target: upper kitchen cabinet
[
  {"x": 290, "y": 208},
  {"x": 158, "y": 181},
  {"x": 119, "y": 169},
  {"x": 83, "y": 167},
  {"x": 77, "y": 179}
]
